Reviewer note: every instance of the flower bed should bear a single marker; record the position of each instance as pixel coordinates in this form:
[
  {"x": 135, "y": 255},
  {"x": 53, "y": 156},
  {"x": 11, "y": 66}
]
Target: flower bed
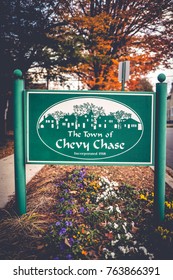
[
  {"x": 77, "y": 213},
  {"x": 98, "y": 219}
]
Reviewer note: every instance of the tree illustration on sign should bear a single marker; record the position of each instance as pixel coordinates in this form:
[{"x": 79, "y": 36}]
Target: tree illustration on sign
[
  {"x": 86, "y": 108},
  {"x": 58, "y": 115},
  {"x": 119, "y": 115}
]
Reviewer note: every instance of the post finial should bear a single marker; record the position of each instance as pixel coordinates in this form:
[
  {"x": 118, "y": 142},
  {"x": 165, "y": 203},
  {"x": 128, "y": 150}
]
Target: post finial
[
  {"x": 18, "y": 74},
  {"x": 161, "y": 78}
]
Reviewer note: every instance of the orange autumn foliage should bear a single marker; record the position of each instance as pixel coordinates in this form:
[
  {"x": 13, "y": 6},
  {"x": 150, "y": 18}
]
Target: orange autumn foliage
[{"x": 114, "y": 31}]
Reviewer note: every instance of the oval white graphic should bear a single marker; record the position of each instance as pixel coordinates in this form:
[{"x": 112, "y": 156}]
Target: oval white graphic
[{"x": 90, "y": 128}]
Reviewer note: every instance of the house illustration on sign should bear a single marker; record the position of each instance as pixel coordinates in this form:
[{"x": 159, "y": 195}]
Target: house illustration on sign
[
  {"x": 107, "y": 122},
  {"x": 130, "y": 124},
  {"x": 48, "y": 122},
  {"x": 67, "y": 121},
  {"x": 89, "y": 121},
  {"x": 86, "y": 121}
]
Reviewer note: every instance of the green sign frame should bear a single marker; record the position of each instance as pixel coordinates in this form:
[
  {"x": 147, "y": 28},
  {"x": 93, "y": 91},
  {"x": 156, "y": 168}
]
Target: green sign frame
[{"x": 89, "y": 127}]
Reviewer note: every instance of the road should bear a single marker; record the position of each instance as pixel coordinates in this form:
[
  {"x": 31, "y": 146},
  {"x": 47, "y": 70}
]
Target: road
[{"x": 169, "y": 147}]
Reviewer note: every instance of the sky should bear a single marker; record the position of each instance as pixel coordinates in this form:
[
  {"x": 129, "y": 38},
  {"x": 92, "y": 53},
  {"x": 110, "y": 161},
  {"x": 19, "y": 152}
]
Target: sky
[{"x": 152, "y": 77}]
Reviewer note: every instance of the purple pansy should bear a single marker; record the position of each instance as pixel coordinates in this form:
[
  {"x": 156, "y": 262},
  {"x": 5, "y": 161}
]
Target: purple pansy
[
  {"x": 68, "y": 223},
  {"x": 81, "y": 210},
  {"x": 71, "y": 241},
  {"x": 62, "y": 231},
  {"x": 56, "y": 258},
  {"x": 69, "y": 257},
  {"x": 69, "y": 212}
]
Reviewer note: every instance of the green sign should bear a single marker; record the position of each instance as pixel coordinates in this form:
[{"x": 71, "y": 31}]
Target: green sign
[{"x": 89, "y": 127}]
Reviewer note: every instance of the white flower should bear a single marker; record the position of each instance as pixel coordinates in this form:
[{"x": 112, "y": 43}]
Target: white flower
[
  {"x": 133, "y": 224},
  {"x": 124, "y": 250},
  {"x": 113, "y": 255},
  {"x": 128, "y": 235},
  {"x": 125, "y": 230},
  {"x": 106, "y": 180},
  {"x": 118, "y": 209},
  {"x": 115, "y": 184},
  {"x": 110, "y": 209},
  {"x": 113, "y": 193},
  {"x": 113, "y": 242},
  {"x": 134, "y": 249},
  {"x": 151, "y": 256},
  {"x": 105, "y": 250},
  {"x": 142, "y": 248},
  {"x": 115, "y": 226}
]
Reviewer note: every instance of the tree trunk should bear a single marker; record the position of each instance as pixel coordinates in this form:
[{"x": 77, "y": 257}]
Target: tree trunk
[{"x": 5, "y": 88}]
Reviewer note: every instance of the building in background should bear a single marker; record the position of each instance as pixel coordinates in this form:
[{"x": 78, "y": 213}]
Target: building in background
[{"x": 170, "y": 106}]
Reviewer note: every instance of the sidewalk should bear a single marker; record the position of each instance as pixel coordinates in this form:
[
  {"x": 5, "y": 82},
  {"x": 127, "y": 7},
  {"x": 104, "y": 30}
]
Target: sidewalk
[
  {"x": 168, "y": 178},
  {"x": 7, "y": 187}
]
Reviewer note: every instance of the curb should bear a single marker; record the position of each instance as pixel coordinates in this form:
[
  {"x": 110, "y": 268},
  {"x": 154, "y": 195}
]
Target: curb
[{"x": 168, "y": 179}]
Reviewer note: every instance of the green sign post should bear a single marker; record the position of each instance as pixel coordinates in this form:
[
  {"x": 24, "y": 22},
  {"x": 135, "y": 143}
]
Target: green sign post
[
  {"x": 19, "y": 147},
  {"x": 85, "y": 127},
  {"x": 160, "y": 149}
]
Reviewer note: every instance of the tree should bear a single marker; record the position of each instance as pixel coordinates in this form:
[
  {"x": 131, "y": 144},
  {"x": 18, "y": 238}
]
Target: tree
[
  {"x": 32, "y": 35},
  {"x": 141, "y": 84},
  {"x": 114, "y": 31}
]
